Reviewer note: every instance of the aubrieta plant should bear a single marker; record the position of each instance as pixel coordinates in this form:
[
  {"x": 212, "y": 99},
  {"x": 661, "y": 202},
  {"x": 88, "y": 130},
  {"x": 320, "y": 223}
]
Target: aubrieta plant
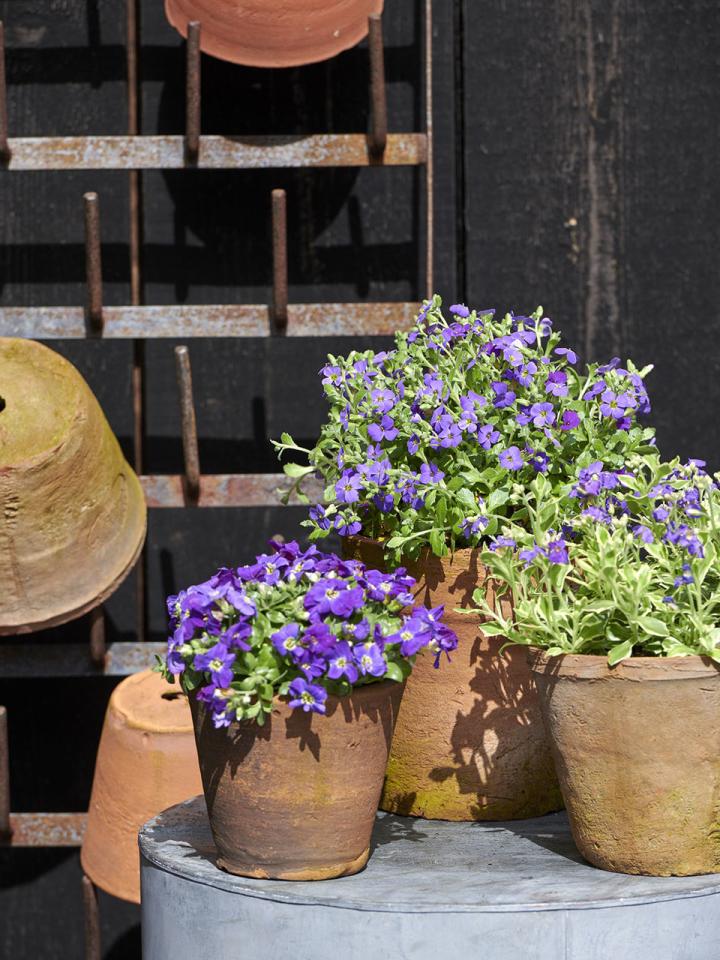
[
  {"x": 296, "y": 624},
  {"x": 425, "y": 444},
  {"x": 634, "y": 572}
]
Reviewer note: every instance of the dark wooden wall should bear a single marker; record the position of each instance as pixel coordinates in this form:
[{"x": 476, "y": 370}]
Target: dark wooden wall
[{"x": 576, "y": 157}]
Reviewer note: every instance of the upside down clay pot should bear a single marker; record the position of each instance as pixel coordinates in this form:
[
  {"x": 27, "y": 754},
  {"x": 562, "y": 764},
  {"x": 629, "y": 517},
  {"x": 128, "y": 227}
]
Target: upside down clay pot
[
  {"x": 146, "y": 762},
  {"x": 274, "y": 33},
  {"x": 73, "y": 512},
  {"x": 637, "y": 748},
  {"x": 296, "y": 798},
  {"x": 469, "y": 741}
]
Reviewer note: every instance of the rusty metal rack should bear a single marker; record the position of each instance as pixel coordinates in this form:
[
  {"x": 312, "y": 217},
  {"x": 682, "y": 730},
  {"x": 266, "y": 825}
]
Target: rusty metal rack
[{"x": 137, "y": 322}]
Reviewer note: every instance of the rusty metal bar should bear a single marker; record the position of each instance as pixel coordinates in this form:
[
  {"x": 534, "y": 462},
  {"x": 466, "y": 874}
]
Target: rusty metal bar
[
  {"x": 4, "y": 131},
  {"x": 216, "y": 152},
  {"x": 230, "y": 320},
  {"x": 279, "y": 310},
  {"x": 98, "y": 646},
  {"x": 430, "y": 163},
  {"x": 5, "y": 828},
  {"x": 225, "y": 490},
  {"x": 132, "y": 47},
  {"x": 91, "y": 913},
  {"x": 93, "y": 262},
  {"x": 192, "y": 92},
  {"x": 191, "y": 456},
  {"x": 37, "y": 660},
  {"x": 378, "y": 136},
  {"x": 46, "y": 830}
]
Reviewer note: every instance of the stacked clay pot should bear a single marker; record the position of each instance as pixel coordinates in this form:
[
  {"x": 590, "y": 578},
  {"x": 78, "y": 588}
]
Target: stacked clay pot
[
  {"x": 146, "y": 762},
  {"x": 73, "y": 510},
  {"x": 469, "y": 743},
  {"x": 281, "y": 33}
]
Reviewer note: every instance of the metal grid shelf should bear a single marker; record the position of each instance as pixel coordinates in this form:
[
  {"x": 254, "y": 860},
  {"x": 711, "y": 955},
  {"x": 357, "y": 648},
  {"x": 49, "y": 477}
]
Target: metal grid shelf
[{"x": 192, "y": 151}]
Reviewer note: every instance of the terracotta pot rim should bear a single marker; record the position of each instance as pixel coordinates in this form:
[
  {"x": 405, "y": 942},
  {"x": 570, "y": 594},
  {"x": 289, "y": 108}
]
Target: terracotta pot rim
[
  {"x": 361, "y": 539},
  {"x": 361, "y": 692},
  {"x": 595, "y": 666}
]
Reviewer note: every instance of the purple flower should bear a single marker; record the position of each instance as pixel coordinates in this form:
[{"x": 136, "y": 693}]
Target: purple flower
[
  {"x": 333, "y": 596},
  {"x": 341, "y": 663},
  {"x": 430, "y": 473},
  {"x": 569, "y": 355},
  {"x": 542, "y": 414},
  {"x": 347, "y": 489},
  {"x": 217, "y": 661},
  {"x": 487, "y": 436},
  {"x": 319, "y": 517},
  {"x": 685, "y": 577},
  {"x": 530, "y": 554},
  {"x": 473, "y": 526},
  {"x": 332, "y": 375},
  {"x": 614, "y": 405},
  {"x": 385, "y": 430},
  {"x": 236, "y": 636},
  {"x": 286, "y": 640},
  {"x": 570, "y": 420},
  {"x": 309, "y": 696},
  {"x": 511, "y": 459},
  {"x": 499, "y": 542},
  {"x": 643, "y": 533},
  {"x": 370, "y": 659},
  {"x": 504, "y": 397},
  {"x": 459, "y": 309},
  {"x": 557, "y": 552},
  {"x": 414, "y": 634},
  {"x": 383, "y": 400},
  {"x": 556, "y": 383},
  {"x": 538, "y": 460}
]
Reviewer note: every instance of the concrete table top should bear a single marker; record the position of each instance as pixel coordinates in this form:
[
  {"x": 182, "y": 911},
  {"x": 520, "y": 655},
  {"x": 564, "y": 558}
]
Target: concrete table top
[{"x": 506, "y": 890}]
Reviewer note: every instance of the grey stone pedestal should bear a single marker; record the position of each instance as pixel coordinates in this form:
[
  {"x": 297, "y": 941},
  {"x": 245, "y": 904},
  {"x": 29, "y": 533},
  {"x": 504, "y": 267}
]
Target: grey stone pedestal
[{"x": 432, "y": 890}]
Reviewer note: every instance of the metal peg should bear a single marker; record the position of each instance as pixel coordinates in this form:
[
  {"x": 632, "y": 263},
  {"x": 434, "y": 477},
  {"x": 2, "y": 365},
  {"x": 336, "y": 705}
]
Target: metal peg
[
  {"x": 92, "y": 920},
  {"x": 378, "y": 93},
  {"x": 5, "y": 828},
  {"x": 98, "y": 645},
  {"x": 4, "y": 145},
  {"x": 279, "y": 311},
  {"x": 93, "y": 262},
  {"x": 192, "y": 92},
  {"x": 191, "y": 455}
]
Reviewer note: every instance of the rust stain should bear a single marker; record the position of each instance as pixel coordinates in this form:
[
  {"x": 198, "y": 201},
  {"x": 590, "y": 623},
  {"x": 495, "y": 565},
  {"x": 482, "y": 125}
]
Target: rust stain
[
  {"x": 46, "y": 830},
  {"x": 214, "y": 152},
  {"x": 212, "y": 320}
]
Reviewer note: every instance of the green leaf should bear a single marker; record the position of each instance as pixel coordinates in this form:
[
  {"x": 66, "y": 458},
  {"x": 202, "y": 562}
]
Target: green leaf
[
  {"x": 653, "y": 626},
  {"x": 621, "y": 651},
  {"x": 393, "y": 672},
  {"x": 438, "y": 543},
  {"x": 296, "y": 470}
]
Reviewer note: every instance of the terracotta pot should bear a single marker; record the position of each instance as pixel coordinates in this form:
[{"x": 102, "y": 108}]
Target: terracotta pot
[
  {"x": 637, "y": 748},
  {"x": 469, "y": 742},
  {"x": 146, "y": 762},
  {"x": 73, "y": 510},
  {"x": 274, "y": 33},
  {"x": 297, "y": 798}
]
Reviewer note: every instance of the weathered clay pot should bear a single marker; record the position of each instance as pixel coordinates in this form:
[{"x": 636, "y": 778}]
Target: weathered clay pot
[
  {"x": 274, "y": 33},
  {"x": 73, "y": 511},
  {"x": 296, "y": 799},
  {"x": 146, "y": 762},
  {"x": 637, "y": 748},
  {"x": 469, "y": 742}
]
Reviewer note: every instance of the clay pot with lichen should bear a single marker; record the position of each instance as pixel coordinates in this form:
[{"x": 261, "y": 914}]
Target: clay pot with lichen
[
  {"x": 469, "y": 742},
  {"x": 73, "y": 510},
  {"x": 288, "y": 33},
  {"x": 296, "y": 799},
  {"x": 637, "y": 748}
]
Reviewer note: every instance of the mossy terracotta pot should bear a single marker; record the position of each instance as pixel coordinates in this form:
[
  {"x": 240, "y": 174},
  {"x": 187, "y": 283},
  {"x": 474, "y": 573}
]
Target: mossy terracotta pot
[
  {"x": 73, "y": 512},
  {"x": 274, "y": 33},
  {"x": 469, "y": 742},
  {"x": 296, "y": 798},
  {"x": 637, "y": 748},
  {"x": 146, "y": 762}
]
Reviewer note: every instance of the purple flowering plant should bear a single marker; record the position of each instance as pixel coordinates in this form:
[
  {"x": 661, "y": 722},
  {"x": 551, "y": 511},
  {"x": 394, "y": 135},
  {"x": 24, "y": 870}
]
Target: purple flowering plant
[
  {"x": 296, "y": 624},
  {"x": 428, "y": 444},
  {"x": 629, "y": 565}
]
